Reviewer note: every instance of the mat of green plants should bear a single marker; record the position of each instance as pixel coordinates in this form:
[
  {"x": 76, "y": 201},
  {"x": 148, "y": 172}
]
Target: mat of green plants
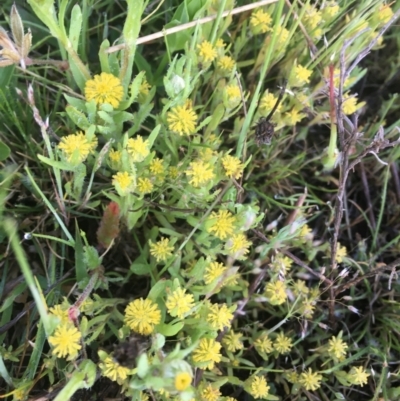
[{"x": 199, "y": 200}]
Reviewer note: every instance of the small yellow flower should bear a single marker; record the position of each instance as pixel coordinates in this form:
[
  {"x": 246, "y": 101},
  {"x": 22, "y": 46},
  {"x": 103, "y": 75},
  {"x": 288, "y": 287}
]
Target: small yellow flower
[
  {"x": 182, "y": 119},
  {"x": 61, "y": 313},
  {"x": 282, "y": 36},
  {"x": 306, "y": 308},
  {"x": 233, "y": 166},
  {"x": 220, "y": 316},
  {"x": 337, "y": 348},
  {"x": 259, "y": 387},
  {"x": 300, "y": 288},
  {"x": 260, "y": 22},
  {"x": 141, "y": 315},
  {"x": 104, "y": 88},
  {"x": 219, "y": 44},
  {"x": 66, "y": 341},
  {"x": 232, "y": 96},
  {"x": 292, "y": 376},
  {"x": 206, "y": 154},
  {"x": 210, "y": 394},
  {"x": 232, "y": 341},
  {"x": 144, "y": 88},
  {"x": 114, "y": 158},
  {"x": 222, "y": 224},
  {"x": 358, "y": 376},
  {"x": 293, "y": 117},
  {"x": 312, "y": 18},
  {"x": 200, "y": 173},
  {"x": 76, "y": 147},
  {"x": 161, "y": 250},
  {"x": 182, "y": 381},
  {"x": 207, "y": 52},
  {"x": 178, "y": 303},
  {"x": 145, "y": 186},
  {"x": 310, "y": 380},
  {"x": 282, "y": 344},
  {"x": 263, "y": 344},
  {"x": 281, "y": 264},
  {"x": 173, "y": 172},
  {"x": 276, "y": 292},
  {"x": 138, "y": 148},
  {"x": 114, "y": 371},
  {"x": 157, "y": 167},
  {"x": 330, "y": 10},
  {"x": 302, "y": 75},
  {"x": 213, "y": 271},
  {"x": 341, "y": 253},
  {"x": 207, "y": 353},
  {"x": 124, "y": 183},
  {"x": 238, "y": 246},
  {"x": 385, "y": 13},
  {"x": 349, "y": 105},
  {"x": 268, "y": 102},
  {"x": 226, "y": 64}
]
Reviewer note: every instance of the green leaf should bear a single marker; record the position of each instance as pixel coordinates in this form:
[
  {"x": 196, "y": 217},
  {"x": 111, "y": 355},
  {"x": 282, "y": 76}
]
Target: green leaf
[
  {"x": 157, "y": 289},
  {"x": 104, "y": 56},
  {"x": 80, "y": 267},
  {"x": 77, "y": 103},
  {"x": 142, "y": 366},
  {"x": 56, "y": 164},
  {"x": 169, "y": 330},
  {"x": 4, "y": 151},
  {"x": 77, "y": 117},
  {"x": 75, "y": 27}
]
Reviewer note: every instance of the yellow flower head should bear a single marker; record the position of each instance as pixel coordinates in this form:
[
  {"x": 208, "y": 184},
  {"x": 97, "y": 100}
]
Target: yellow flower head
[
  {"x": 114, "y": 371},
  {"x": 219, "y": 316},
  {"x": 182, "y": 381},
  {"x": 225, "y": 65},
  {"x": 178, "y": 303},
  {"x": 157, "y": 167},
  {"x": 222, "y": 224},
  {"x": 337, "y": 348},
  {"x": 238, "y": 246},
  {"x": 281, "y": 264},
  {"x": 282, "y": 344},
  {"x": 233, "y": 166},
  {"x": 302, "y": 75},
  {"x": 310, "y": 380},
  {"x": 114, "y": 159},
  {"x": 138, "y": 148},
  {"x": 276, "y": 292},
  {"x": 293, "y": 117},
  {"x": 260, "y": 22},
  {"x": 141, "y": 315},
  {"x": 233, "y": 96},
  {"x": 145, "y": 186},
  {"x": 104, "y": 88},
  {"x": 232, "y": 341},
  {"x": 124, "y": 183},
  {"x": 210, "y": 393},
  {"x": 200, "y": 173},
  {"x": 349, "y": 105},
  {"x": 385, "y": 14},
  {"x": 207, "y": 353},
  {"x": 213, "y": 271},
  {"x": 182, "y": 119},
  {"x": 76, "y": 147},
  {"x": 282, "y": 36},
  {"x": 161, "y": 250},
  {"x": 341, "y": 253},
  {"x": 259, "y": 387},
  {"x": 263, "y": 344},
  {"x": 144, "y": 88},
  {"x": 268, "y": 102},
  {"x": 358, "y": 376},
  {"x": 312, "y": 18},
  {"x": 61, "y": 313},
  {"x": 207, "y": 52},
  {"x": 66, "y": 341}
]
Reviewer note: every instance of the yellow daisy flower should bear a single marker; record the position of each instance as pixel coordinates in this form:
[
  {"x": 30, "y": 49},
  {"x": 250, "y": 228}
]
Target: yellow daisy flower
[
  {"x": 141, "y": 315},
  {"x": 66, "y": 341},
  {"x": 161, "y": 250},
  {"x": 182, "y": 119},
  {"x": 76, "y": 147},
  {"x": 104, "y": 88}
]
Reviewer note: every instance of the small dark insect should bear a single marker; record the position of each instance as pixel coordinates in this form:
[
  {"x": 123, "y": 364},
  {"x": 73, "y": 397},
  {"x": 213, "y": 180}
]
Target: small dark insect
[
  {"x": 265, "y": 129},
  {"x": 125, "y": 353}
]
